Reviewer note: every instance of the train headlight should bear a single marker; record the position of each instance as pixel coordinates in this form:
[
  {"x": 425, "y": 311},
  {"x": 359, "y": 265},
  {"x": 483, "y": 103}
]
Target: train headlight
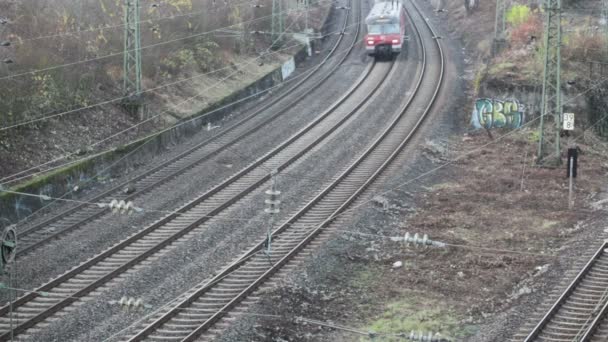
[
  {"x": 370, "y": 42},
  {"x": 395, "y": 41}
]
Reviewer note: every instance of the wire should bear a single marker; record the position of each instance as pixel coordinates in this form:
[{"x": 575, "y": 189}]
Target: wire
[
  {"x": 110, "y": 101},
  {"x": 144, "y": 121},
  {"x": 463, "y": 246},
  {"x": 110, "y": 166},
  {"x": 146, "y": 21},
  {"x": 8, "y": 179},
  {"x": 106, "y": 204},
  {"x": 32, "y": 72},
  {"x": 40, "y": 293},
  {"x": 470, "y": 152},
  {"x": 476, "y": 150}
]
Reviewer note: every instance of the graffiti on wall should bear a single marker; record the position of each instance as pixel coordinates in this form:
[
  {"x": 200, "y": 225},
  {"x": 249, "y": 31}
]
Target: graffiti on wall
[{"x": 491, "y": 113}]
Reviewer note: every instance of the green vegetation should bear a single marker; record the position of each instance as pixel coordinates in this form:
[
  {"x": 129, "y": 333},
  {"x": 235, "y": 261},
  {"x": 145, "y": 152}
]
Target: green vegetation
[
  {"x": 518, "y": 14},
  {"x": 365, "y": 278},
  {"x": 500, "y": 68},
  {"x": 201, "y": 56},
  {"x": 479, "y": 77},
  {"x": 420, "y": 315}
]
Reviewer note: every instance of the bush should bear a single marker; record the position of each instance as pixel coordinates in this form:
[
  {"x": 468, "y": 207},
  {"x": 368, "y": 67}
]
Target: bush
[
  {"x": 583, "y": 44},
  {"x": 524, "y": 32},
  {"x": 518, "y": 14}
]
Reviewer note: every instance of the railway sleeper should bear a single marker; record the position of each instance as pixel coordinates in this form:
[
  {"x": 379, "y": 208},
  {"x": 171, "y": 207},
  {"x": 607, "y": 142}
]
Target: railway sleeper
[
  {"x": 222, "y": 290},
  {"x": 573, "y": 316},
  {"x": 235, "y": 283},
  {"x": 164, "y": 338},
  {"x": 215, "y": 296},
  {"x": 195, "y": 320},
  {"x": 577, "y": 306}
]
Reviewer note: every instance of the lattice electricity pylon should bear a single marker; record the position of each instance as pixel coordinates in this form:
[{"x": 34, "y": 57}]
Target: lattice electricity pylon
[
  {"x": 551, "y": 104},
  {"x": 278, "y": 21},
  {"x": 132, "y": 52},
  {"x": 499, "y": 26},
  {"x": 499, "y": 22}
]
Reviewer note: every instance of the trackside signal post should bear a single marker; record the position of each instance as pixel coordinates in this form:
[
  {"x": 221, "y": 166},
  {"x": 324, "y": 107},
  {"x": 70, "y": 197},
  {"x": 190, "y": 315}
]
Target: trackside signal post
[
  {"x": 273, "y": 207},
  {"x": 132, "y": 51},
  {"x": 551, "y": 103}
]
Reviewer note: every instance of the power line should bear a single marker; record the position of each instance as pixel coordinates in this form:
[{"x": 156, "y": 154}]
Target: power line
[
  {"x": 5, "y": 179},
  {"x": 455, "y": 245},
  {"x": 32, "y": 72},
  {"x": 476, "y": 150},
  {"x": 266, "y": 51},
  {"x": 154, "y": 134},
  {"x": 121, "y": 132},
  {"x": 146, "y": 21},
  {"x": 113, "y": 100},
  {"x": 137, "y": 209}
]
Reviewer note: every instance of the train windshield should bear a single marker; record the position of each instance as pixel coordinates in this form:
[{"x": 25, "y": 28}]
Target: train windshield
[{"x": 383, "y": 29}]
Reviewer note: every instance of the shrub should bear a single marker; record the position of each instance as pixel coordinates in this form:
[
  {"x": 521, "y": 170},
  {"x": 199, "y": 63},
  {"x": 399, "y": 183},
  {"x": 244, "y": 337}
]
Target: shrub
[
  {"x": 518, "y": 14},
  {"x": 523, "y": 32}
]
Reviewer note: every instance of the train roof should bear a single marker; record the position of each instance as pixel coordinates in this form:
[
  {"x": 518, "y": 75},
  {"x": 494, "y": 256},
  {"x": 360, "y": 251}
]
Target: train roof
[{"x": 384, "y": 13}]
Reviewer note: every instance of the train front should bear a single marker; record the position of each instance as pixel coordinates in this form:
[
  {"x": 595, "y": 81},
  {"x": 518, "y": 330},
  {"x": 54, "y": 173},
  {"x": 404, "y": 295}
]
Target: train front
[{"x": 384, "y": 32}]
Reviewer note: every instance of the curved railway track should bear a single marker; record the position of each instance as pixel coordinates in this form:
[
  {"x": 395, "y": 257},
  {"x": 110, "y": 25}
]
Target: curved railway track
[
  {"x": 196, "y": 315},
  {"x": 91, "y": 275},
  {"x": 578, "y": 313},
  {"x": 41, "y": 233}
]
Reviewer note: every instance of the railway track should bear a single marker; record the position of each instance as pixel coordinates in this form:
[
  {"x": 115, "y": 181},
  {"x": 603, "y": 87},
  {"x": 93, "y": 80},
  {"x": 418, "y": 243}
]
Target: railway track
[
  {"x": 198, "y": 315},
  {"x": 39, "y": 234},
  {"x": 579, "y": 312},
  {"x": 107, "y": 266}
]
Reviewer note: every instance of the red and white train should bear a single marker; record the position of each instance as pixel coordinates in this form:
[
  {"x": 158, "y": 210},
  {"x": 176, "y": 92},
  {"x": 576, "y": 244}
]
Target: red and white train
[{"x": 385, "y": 29}]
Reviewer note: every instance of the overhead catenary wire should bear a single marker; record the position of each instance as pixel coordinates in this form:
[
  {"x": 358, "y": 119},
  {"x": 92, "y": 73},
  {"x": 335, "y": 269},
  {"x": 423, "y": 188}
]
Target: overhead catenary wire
[
  {"x": 598, "y": 120},
  {"x": 11, "y": 178},
  {"x": 435, "y": 169},
  {"x": 597, "y": 84},
  {"x": 145, "y": 21},
  {"x": 461, "y": 246},
  {"x": 33, "y": 72},
  {"x": 117, "y": 99},
  {"x": 483, "y": 146},
  {"x": 289, "y": 80},
  {"x": 138, "y": 208}
]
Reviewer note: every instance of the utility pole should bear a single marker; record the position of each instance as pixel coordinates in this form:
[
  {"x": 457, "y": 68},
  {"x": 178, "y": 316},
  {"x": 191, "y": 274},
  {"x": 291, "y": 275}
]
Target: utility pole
[
  {"x": 132, "y": 52},
  {"x": 551, "y": 104},
  {"x": 278, "y": 21},
  {"x": 499, "y": 26}
]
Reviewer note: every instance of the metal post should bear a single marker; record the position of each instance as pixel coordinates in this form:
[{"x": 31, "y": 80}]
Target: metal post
[
  {"x": 277, "y": 21},
  {"x": 605, "y": 19},
  {"x": 273, "y": 202},
  {"x": 499, "y": 26},
  {"x": 570, "y": 186},
  {"x": 499, "y": 21},
  {"x": 10, "y": 304},
  {"x": 306, "y": 5},
  {"x": 551, "y": 97},
  {"x": 132, "y": 50}
]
